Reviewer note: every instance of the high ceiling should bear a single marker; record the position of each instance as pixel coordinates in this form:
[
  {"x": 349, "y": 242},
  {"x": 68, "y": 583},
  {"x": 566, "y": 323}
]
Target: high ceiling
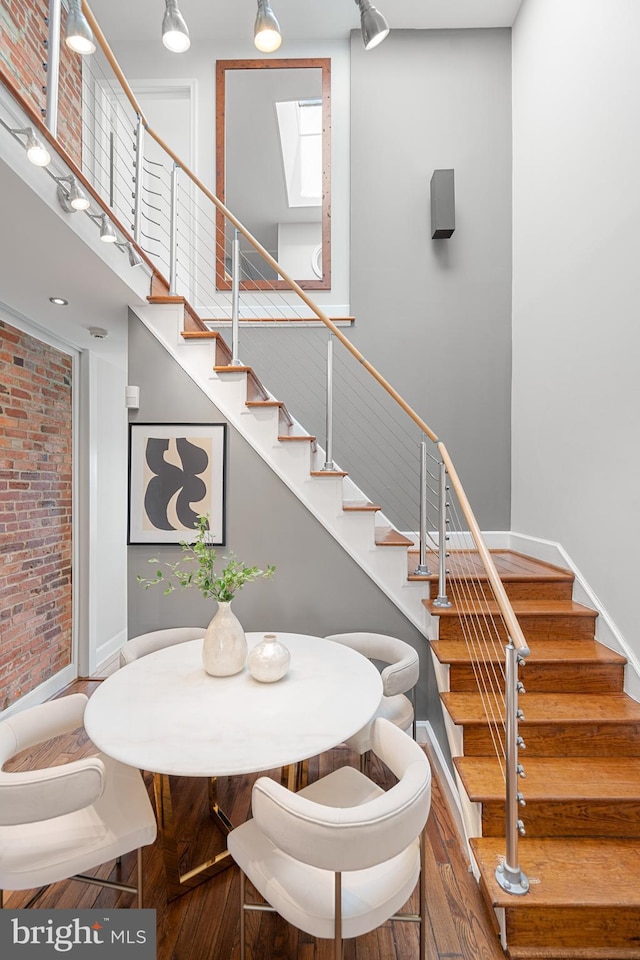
[
  {"x": 300, "y": 20},
  {"x": 69, "y": 267}
]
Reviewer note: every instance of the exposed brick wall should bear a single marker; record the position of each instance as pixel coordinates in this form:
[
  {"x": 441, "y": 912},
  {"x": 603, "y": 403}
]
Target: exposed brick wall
[
  {"x": 35, "y": 512},
  {"x": 23, "y": 32}
]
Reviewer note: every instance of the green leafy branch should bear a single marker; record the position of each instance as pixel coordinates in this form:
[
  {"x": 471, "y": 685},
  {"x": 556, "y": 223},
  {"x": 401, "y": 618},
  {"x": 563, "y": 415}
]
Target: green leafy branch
[{"x": 196, "y": 568}]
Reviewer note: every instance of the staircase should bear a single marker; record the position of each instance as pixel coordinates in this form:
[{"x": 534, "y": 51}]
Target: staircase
[
  {"x": 582, "y": 732},
  {"x": 356, "y": 523},
  {"x": 581, "y": 852}
]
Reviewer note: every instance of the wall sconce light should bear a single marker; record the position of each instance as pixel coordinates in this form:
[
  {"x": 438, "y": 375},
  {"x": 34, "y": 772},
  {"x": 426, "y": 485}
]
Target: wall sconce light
[
  {"x": 77, "y": 35},
  {"x": 73, "y": 197},
  {"x": 37, "y": 153},
  {"x": 443, "y": 204},
  {"x": 373, "y": 25},
  {"x": 135, "y": 260},
  {"x": 175, "y": 33},
  {"x": 266, "y": 32}
]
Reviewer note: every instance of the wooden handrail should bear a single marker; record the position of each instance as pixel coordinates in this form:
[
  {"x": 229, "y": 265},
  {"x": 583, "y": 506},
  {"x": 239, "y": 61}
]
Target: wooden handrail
[{"x": 506, "y": 609}]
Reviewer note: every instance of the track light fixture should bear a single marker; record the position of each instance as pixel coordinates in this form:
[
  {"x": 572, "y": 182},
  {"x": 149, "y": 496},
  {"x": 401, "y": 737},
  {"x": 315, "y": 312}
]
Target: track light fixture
[
  {"x": 266, "y": 33},
  {"x": 107, "y": 233},
  {"x": 37, "y": 153},
  {"x": 175, "y": 33},
  {"x": 135, "y": 260},
  {"x": 77, "y": 35},
  {"x": 373, "y": 25},
  {"x": 73, "y": 197}
]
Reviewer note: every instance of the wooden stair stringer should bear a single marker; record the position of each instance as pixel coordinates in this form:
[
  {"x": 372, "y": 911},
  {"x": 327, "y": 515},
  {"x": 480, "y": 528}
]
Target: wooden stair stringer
[{"x": 293, "y": 463}]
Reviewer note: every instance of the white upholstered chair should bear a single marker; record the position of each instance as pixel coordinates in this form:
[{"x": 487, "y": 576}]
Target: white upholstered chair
[
  {"x": 59, "y": 821},
  {"x": 146, "y": 643},
  {"x": 340, "y": 857},
  {"x": 399, "y": 677}
]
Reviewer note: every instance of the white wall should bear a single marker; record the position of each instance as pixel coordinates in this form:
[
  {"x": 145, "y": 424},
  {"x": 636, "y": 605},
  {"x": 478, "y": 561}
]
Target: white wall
[{"x": 576, "y": 288}]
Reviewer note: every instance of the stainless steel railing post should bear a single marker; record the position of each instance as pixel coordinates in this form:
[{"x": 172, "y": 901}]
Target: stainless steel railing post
[
  {"x": 52, "y": 67},
  {"x": 442, "y": 600},
  {"x": 137, "y": 190},
  {"x": 328, "y": 463},
  {"x": 508, "y": 874},
  {"x": 422, "y": 563},
  {"x": 173, "y": 235},
  {"x": 235, "y": 299}
]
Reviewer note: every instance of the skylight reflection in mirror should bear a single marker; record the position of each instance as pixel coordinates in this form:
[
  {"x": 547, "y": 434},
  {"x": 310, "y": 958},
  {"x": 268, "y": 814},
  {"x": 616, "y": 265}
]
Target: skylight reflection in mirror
[{"x": 300, "y": 129}]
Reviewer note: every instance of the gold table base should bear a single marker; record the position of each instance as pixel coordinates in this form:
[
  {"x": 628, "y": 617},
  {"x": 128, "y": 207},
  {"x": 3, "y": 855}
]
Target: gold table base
[
  {"x": 180, "y": 883},
  {"x": 294, "y": 775}
]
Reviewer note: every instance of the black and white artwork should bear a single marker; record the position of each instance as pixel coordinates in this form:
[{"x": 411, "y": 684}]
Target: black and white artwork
[{"x": 176, "y": 474}]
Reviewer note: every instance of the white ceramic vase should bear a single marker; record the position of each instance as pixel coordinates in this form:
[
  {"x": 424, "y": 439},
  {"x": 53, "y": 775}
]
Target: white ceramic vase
[
  {"x": 224, "y": 648},
  {"x": 268, "y": 660}
]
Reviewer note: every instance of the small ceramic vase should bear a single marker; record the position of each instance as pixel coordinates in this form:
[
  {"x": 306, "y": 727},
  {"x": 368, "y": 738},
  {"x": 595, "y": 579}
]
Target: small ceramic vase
[
  {"x": 268, "y": 660},
  {"x": 224, "y": 648}
]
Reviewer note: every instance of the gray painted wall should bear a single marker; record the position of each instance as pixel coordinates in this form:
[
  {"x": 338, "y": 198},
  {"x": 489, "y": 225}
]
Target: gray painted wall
[
  {"x": 317, "y": 588},
  {"x": 434, "y": 315}
]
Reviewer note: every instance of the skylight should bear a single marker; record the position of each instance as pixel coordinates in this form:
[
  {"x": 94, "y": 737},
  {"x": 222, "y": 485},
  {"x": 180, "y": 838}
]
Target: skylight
[{"x": 300, "y": 128}]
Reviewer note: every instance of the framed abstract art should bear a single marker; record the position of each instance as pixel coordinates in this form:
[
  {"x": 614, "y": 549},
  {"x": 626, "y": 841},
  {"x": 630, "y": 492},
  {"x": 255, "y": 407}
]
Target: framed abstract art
[{"x": 176, "y": 474}]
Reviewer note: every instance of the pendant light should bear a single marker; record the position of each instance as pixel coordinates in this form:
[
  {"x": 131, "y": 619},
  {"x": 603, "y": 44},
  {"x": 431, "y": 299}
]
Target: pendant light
[
  {"x": 373, "y": 25},
  {"x": 78, "y": 35},
  {"x": 175, "y": 33},
  {"x": 266, "y": 33}
]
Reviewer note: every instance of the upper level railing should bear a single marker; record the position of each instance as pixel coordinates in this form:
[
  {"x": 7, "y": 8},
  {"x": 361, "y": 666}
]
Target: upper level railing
[{"x": 168, "y": 218}]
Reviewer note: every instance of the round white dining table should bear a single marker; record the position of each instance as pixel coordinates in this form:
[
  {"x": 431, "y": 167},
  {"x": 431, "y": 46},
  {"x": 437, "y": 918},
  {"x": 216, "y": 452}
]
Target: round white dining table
[{"x": 164, "y": 714}]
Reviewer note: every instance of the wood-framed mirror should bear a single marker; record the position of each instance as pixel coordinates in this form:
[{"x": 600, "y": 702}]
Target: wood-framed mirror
[{"x": 273, "y": 169}]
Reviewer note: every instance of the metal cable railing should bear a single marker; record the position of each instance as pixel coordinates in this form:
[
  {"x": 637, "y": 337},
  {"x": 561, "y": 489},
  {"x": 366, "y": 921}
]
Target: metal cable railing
[{"x": 175, "y": 220}]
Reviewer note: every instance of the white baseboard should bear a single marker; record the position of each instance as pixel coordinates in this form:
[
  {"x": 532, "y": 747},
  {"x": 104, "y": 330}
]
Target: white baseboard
[
  {"x": 606, "y": 630},
  {"x": 426, "y": 735},
  {"x": 45, "y": 691}
]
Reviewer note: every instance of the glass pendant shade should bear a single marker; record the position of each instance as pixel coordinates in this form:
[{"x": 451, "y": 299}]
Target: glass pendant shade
[
  {"x": 175, "y": 33},
  {"x": 78, "y": 34},
  {"x": 266, "y": 33}
]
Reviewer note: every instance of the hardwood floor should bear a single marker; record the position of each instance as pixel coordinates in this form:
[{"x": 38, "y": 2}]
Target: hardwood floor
[{"x": 203, "y": 924}]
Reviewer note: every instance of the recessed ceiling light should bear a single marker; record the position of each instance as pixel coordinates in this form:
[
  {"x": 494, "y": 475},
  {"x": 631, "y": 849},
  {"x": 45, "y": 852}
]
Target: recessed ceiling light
[{"x": 59, "y": 301}]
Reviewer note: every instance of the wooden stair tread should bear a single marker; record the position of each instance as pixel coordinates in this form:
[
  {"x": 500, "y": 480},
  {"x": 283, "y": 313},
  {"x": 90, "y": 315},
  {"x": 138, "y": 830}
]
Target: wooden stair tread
[
  {"x": 165, "y": 298},
  {"x": 554, "y": 778},
  {"x": 521, "y": 608},
  {"x": 255, "y": 389},
  {"x": 542, "y": 651},
  {"x": 286, "y": 420},
  {"x": 329, "y": 473},
  {"x": 568, "y": 872},
  {"x": 545, "y": 708},
  {"x": 511, "y": 566},
  {"x": 360, "y": 506},
  {"x": 200, "y": 335},
  {"x": 297, "y": 436},
  {"x": 388, "y": 537}
]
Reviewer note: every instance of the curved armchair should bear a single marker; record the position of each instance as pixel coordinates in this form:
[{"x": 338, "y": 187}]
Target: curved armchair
[
  {"x": 59, "y": 821},
  {"x": 340, "y": 857},
  {"x": 399, "y": 677},
  {"x": 146, "y": 643}
]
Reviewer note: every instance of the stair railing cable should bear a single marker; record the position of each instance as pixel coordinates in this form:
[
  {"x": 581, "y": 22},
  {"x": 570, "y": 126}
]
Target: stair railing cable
[{"x": 479, "y": 620}]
